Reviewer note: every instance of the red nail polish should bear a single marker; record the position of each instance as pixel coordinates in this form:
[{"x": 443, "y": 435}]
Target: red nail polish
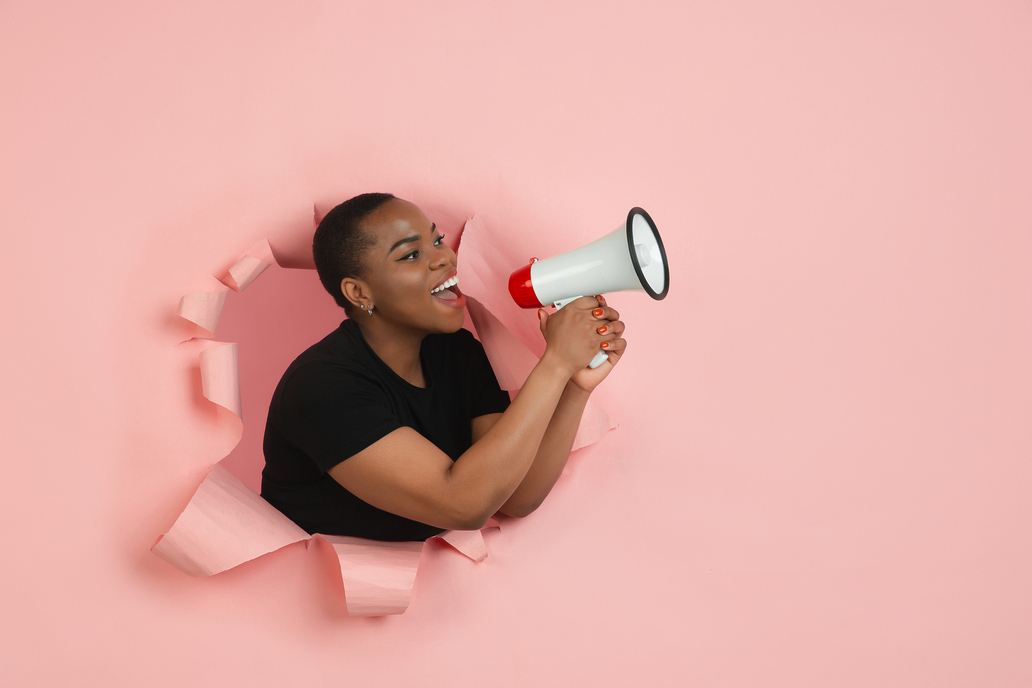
[
  {"x": 604, "y": 345},
  {"x": 603, "y": 329},
  {"x": 598, "y": 312}
]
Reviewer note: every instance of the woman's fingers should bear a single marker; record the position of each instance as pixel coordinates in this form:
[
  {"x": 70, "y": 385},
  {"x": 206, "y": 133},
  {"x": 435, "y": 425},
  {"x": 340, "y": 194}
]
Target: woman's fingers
[
  {"x": 611, "y": 330},
  {"x": 615, "y": 347},
  {"x": 605, "y": 313},
  {"x": 578, "y": 331}
]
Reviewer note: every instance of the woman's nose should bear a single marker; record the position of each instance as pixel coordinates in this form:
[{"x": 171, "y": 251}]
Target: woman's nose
[{"x": 442, "y": 256}]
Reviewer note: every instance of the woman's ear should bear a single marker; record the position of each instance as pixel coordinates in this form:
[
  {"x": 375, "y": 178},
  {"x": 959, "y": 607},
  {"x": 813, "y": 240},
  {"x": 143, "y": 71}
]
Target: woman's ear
[{"x": 354, "y": 291}]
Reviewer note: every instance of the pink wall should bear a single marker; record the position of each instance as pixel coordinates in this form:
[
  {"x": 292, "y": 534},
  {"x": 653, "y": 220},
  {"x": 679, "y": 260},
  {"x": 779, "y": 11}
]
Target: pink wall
[{"x": 822, "y": 472}]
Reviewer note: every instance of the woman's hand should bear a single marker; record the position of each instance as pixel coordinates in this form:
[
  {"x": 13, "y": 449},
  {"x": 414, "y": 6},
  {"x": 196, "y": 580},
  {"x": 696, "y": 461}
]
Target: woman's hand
[{"x": 578, "y": 331}]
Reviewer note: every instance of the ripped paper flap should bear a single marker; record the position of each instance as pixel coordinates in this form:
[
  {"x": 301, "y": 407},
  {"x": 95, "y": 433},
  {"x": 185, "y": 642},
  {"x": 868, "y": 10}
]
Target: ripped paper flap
[
  {"x": 246, "y": 270},
  {"x": 224, "y": 525},
  {"x": 469, "y": 542},
  {"x": 594, "y": 424},
  {"x": 485, "y": 264},
  {"x": 203, "y": 309},
  {"x": 378, "y": 576},
  {"x": 220, "y": 377},
  {"x": 510, "y": 360}
]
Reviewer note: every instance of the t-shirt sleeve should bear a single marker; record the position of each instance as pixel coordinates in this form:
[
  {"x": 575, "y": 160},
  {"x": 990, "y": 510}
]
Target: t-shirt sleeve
[
  {"x": 332, "y": 413},
  {"x": 488, "y": 396}
]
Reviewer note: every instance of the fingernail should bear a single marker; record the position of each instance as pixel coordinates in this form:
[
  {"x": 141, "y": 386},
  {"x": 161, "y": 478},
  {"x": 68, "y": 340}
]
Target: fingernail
[
  {"x": 604, "y": 345},
  {"x": 598, "y": 312},
  {"x": 603, "y": 329}
]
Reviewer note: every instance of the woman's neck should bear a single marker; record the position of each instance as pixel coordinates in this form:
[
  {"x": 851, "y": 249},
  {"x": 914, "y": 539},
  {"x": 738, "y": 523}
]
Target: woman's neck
[{"x": 399, "y": 349}]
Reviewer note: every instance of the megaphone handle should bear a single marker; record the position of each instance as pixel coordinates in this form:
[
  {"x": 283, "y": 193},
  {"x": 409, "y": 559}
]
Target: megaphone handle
[
  {"x": 563, "y": 302},
  {"x": 601, "y": 357}
]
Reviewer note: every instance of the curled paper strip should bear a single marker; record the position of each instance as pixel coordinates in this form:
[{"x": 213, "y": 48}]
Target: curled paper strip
[
  {"x": 247, "y": 269},
  {"x": 378, "y": 576},
  {"x": 203, "y": 309},
  {"x": 224, "y": 525},
  {"x": 220, "y": 377}
]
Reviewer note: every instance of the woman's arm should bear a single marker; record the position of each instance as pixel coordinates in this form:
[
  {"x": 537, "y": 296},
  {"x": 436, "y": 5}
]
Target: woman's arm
[
  {"x": 557, "y": 442},
  {"x": 405, "y": 474},
  {"x": 551, "y": 455}
]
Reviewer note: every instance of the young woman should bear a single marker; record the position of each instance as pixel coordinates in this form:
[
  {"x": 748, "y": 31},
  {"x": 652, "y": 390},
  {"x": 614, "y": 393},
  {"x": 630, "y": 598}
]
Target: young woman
[{"x": 394, "y": 427}]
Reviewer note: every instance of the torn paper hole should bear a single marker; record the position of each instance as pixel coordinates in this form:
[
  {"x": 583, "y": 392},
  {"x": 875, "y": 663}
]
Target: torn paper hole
[{"x": 226, "y": 524}]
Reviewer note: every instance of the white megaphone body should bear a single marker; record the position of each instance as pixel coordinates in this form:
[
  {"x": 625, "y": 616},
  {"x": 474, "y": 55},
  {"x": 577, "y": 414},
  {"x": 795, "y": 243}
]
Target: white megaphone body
[{"x": 630, "y": 258}]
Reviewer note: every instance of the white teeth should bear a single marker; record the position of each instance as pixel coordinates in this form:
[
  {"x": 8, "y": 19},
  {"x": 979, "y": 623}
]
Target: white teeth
[{"x": 450, "y": 283}]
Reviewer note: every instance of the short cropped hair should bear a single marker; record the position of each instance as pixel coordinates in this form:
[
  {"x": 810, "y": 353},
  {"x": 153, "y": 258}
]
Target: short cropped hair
[{"x": 340, "y": 242}]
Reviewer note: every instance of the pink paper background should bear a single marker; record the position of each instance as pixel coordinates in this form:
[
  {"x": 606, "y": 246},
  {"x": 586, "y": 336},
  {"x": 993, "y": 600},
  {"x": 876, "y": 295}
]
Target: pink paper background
[{"x": 822, "y": 470}]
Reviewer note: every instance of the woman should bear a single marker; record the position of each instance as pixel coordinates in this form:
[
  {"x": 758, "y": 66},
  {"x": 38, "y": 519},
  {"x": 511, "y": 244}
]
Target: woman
[{"x": 394, "y": 427}]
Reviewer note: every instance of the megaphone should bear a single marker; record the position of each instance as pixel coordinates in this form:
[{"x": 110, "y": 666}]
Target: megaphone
[{"x": 630, "y": 258}]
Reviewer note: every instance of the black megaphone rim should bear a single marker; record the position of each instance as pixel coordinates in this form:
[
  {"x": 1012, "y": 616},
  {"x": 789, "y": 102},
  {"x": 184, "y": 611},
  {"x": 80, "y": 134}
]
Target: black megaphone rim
[{"x": 658, "y": 296}]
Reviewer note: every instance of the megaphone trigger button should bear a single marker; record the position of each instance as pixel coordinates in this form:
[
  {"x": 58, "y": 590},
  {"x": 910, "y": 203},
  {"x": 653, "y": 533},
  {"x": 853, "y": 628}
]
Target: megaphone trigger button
[{"x": 533, "y": 260}]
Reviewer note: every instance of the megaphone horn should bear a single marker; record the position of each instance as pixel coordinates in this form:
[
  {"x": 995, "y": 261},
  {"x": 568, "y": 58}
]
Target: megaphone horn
[{"x": 630, "y": 258}]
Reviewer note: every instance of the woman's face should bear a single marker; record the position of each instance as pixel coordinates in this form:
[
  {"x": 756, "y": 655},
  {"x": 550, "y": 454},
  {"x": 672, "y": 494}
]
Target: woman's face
[{"x": 407, "y": 262}]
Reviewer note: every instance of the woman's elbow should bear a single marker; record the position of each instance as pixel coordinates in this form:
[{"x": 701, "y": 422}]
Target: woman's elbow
[
  {"x": 469, "y": 517},
  {"x": 470, "y": 522},
  {"x": 476, "y": 518},
  {"x": 519, "y": 509}
]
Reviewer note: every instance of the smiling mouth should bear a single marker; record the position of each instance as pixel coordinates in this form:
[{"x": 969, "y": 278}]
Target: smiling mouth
[{"x": 447, "y": 290}]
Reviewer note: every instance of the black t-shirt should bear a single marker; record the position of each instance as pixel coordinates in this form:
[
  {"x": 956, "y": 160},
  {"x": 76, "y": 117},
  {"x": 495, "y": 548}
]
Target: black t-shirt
[{"x": 338, "y": 397}]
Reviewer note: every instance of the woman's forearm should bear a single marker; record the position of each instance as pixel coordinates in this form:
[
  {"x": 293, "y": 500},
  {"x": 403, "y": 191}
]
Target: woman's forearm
[
  {"x": 552, "y": 454},
  {"x": 488, "y": 472}
]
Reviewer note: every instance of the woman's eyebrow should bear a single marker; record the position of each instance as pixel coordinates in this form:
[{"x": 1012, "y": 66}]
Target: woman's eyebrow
[{"x": 410, "y": 239}]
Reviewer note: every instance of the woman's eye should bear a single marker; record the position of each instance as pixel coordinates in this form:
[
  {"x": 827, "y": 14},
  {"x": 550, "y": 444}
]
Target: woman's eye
[{"x": 415, "y": 254}]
